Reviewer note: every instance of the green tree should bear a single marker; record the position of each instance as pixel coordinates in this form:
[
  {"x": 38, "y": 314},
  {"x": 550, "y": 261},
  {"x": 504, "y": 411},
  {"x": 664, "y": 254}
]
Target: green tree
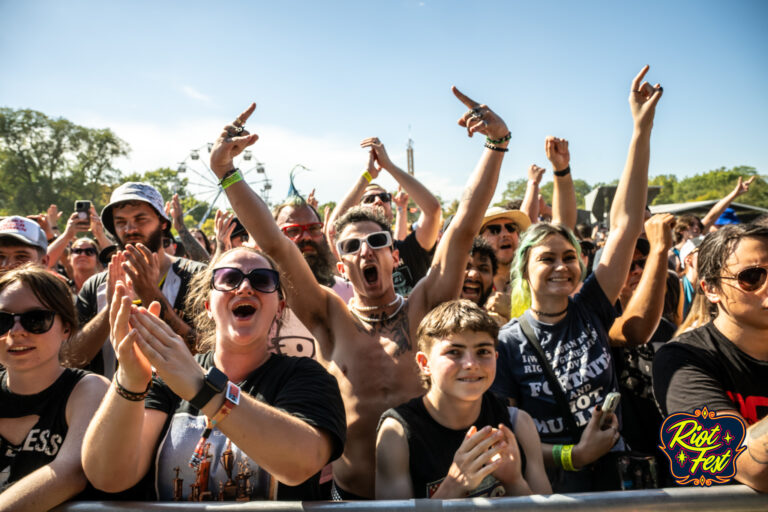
[
  {"x": 46, "y": 161},
  {"x": 713, "y": 184}
]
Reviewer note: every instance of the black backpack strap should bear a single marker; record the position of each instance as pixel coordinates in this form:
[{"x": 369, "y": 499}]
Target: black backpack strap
[{"x": 554, "y": 384}]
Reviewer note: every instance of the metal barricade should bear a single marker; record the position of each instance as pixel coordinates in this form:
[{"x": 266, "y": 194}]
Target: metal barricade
[{"x": 727, "y": 497}]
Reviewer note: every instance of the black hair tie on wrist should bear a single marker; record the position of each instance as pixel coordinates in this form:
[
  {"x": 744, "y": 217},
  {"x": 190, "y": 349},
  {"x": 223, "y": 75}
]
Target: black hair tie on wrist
[{"x": 562, "y": 173}]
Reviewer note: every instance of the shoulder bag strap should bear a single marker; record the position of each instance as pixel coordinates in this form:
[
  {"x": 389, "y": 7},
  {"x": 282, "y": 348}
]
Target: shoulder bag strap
[{"x": 554, "y": 384}]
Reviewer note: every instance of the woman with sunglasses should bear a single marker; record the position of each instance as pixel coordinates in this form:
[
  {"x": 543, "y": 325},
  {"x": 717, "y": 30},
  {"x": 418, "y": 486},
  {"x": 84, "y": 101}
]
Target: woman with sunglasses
[
  {"x": 44, "y": 407},
  {"x": 226, "y": 424},
  {"x": 723, "y": 365},
  {"x": 84, "y": 261},
  {"x": 572, "y": 333}
]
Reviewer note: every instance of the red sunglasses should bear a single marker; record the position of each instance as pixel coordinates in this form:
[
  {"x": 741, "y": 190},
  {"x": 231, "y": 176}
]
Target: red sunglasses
[{"x": 294, "y": 231}]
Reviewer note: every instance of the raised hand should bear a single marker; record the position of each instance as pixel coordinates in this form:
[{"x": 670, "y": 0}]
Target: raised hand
[
  {"x": 480, "y": 119},
  {"x": 535, "y": 173},
  {"x": 557, "y": 152},
  {"x": 594, "y": 442},
  {"x": 643, "y": 100},
  {"x": 42, "y": 221},
  {"x": 232, "y": 140},
  {"x": 53, "y": 215},
  {"x": 658, "y": 229},
  {"x": 143, "y": 269},
  {"x": 223, "y": 226},
  {"x": 166, "y": 351},
  {"x": 173, "y": 209},
  {"x": 400, "y": 199},
  {"x": 742, "y": 187},
  {"x": 134, "y": 370},
  {"x": 311, "y": 200},
  {"x": 380, "y": 156}
]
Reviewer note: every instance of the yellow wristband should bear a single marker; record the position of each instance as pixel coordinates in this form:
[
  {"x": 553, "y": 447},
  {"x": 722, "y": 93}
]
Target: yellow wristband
[
  {"x": 368, "y": 176},
  {"x": 566, "y": 458}
]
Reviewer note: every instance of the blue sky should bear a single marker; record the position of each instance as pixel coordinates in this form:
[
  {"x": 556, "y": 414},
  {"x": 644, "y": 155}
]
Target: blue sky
[{"x": 165, "y": 76}]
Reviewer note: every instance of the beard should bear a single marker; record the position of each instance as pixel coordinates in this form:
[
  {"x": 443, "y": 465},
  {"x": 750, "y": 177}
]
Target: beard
[
  {"x": 321, "y": 262},
  {"x": 153, "y": 242}
]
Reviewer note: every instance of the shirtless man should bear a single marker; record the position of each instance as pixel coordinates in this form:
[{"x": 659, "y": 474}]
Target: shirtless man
[{"x": 367, "y": 346}]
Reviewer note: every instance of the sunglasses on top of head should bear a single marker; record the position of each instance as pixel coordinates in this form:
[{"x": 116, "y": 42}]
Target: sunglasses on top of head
[
  {"x": 36, "y": 321},
  {"x": 264, "y": 280},
  {"x": 88, "y": 251},
  {"x": 750, "y": 279},
  {"x": 377, "y": 240},
  {"x": 371, "y": 198},
  {"x": 495, "y": 229}
]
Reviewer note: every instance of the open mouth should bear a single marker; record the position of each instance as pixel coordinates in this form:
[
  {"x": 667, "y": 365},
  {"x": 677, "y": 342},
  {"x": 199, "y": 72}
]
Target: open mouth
[
  {"x": 20, "y": 350},
  {"x": 244, "y": 311},
  {"x": 470, "y": 289},
  {"x": 370, "y": 274},
  {"x": 470, "y": 379},
  {"x": 505, "y": 246}
]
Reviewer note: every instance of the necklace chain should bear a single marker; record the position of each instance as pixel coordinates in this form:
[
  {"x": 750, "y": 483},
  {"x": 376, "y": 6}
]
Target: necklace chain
[
  {"x": 372, "y": 320},
  {"x": 542, "y": 313},
  {"x": 373, "y": 308}
]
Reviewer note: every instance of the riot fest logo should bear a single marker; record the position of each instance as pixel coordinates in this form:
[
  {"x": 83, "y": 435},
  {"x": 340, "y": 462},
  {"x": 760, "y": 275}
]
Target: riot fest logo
[{"x": 702, "y": 447}]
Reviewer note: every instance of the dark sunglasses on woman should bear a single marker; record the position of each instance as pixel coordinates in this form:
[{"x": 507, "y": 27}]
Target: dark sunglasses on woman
[
  {"x": 264, "y": 280},
  {"x": 36, "y": 321},
  {"x": 88, "y": 251},
  {"x": 750, "y": 279},
  {"x": 371, "y": 198}
]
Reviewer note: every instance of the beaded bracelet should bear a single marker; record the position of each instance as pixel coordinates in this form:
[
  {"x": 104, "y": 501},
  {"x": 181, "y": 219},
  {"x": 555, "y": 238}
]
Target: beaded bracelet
[
  {"x": 130, "y": 395},
  {"x": 230, "y": 178},
  {"x": 566, "y": 458},
  {"x": 367, "y": 176},
  {"x": 495, "y": 148},
  {"x": 499, "y": 141},
  {"x": 562, "y": 173}
]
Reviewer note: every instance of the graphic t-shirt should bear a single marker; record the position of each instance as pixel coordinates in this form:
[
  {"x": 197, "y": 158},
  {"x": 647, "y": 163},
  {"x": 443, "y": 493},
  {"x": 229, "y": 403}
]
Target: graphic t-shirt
[
  {"x": 702, "y": 367},
  {"x": 296, "y": 385},
  {"x": 93, "y": 298},
  {"x": 578, "y": 350},
  {"x": 432, "y": 446},
  {"x": 414, "y": 264},
  {"x": 42, "y": 443}
]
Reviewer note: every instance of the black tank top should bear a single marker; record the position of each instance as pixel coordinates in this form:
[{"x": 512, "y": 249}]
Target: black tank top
[
  {"x": 45, "y": 438},
  {"x": 432, "y": 446}
]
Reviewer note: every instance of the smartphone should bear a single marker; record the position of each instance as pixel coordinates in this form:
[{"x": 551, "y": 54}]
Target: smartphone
[
  {"x": 610, "y": 404},
  {"x": 83, "y": 207}
]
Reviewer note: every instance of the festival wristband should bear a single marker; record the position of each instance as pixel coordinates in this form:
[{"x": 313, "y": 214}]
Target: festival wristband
[
  {"x": 231, "y": 399},
  {"x": 556, "y": 452},
  {"x": 499, "y": 141},
  {"x": 367, "y": 176},
  {"x": 230, "y": 178},
  {"x": 566, "y": 458}
]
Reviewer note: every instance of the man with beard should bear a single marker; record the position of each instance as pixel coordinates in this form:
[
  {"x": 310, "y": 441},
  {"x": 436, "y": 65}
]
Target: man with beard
[
  {"x": 478, "y": 277},
  {"x": 136, "y": 219},
  {"x": 300, "y": 222}
]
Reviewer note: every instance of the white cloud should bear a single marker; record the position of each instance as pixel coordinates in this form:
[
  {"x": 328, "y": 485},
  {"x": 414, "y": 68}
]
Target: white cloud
[{"x": 195, "y": 94}]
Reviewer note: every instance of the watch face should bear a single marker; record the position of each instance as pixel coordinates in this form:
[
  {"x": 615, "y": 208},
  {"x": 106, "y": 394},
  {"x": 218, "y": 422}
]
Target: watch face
[{"x": 216, "y": 379}]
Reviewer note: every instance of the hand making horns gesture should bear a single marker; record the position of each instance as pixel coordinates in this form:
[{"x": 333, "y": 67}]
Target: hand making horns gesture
[
  {"x": 234, "y": 138},
  {"x": 480, "y": 119},
  {"x": 643, "y": 99}
]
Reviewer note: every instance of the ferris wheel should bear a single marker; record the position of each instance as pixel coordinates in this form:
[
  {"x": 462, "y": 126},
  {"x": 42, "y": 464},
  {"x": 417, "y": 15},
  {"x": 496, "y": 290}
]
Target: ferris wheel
[{"x": 203, "y": 184}]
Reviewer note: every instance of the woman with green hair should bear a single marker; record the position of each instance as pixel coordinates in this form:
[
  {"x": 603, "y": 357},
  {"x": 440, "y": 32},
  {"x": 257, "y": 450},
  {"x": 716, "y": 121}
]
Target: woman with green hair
[{"x": 569, "y": 334}]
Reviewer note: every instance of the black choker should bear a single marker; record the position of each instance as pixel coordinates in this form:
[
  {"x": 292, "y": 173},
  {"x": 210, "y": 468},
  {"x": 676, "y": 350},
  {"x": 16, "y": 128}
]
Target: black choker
[{"x": 541, "y": 313}]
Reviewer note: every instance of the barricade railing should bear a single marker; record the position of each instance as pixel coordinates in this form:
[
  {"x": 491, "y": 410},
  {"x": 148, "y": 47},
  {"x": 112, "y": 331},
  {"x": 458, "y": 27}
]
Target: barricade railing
[{"x": 681, "y": 499}]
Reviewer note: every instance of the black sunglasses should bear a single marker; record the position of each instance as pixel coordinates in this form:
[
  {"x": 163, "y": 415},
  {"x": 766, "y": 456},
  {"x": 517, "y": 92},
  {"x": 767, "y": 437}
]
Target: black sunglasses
[
  {"x": 264, "y": 280},
  {"x": 166, "y": 243},
  {"x": 88, "y": 251},
  {"x": 750, "y": 279},
  {"x": 36, "y": 321},
  {"x": 495, "y": 229},
  {"x": 638, "y": 263},
  {"x": 384, "y": 196}
]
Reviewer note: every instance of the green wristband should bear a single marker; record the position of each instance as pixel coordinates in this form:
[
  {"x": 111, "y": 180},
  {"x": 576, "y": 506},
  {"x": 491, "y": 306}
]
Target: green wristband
[
  {"x": 557, "y": 450},
  {"x": 231, "y": 179}
]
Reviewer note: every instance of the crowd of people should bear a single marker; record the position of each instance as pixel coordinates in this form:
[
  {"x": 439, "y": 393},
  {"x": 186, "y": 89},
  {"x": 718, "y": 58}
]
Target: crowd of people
[{"x": 352, "y": 356}]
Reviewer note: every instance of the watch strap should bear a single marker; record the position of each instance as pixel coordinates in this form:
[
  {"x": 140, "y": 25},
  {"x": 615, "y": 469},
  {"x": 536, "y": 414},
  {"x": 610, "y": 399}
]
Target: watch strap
[{"x": 214, "y": 382}]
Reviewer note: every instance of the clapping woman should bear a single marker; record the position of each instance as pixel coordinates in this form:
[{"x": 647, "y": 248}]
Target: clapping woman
[{"x": 228, "y": 423}]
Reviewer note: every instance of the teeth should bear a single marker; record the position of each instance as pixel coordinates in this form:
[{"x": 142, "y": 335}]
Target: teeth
[{"x": 19, "y": 349}]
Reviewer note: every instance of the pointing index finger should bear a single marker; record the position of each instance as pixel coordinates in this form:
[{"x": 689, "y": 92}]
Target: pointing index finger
[
  {"x": 469, "y": 102},
  {"x": 246, "y": 113},
  {"x": 639, "y": 78}
]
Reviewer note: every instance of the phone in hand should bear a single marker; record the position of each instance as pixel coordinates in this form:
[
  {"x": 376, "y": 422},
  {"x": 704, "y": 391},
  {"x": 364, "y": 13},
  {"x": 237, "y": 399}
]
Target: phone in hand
[
  {"x": 610, "y": 404},
  {"x": 83, "y": 209}
]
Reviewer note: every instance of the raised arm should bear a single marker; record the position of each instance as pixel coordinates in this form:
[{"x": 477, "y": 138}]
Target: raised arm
[
  {"x": 447, "y": 273},
  {"x": 400, "y": 200},
  {"x": 431, "y": 218},
  {"x": 354, "y": 194},
  {"x": 58, "y": 246},
  {"x": 530, "y": 204},
  {"x": 641, "y": 316},
  {"x": 627, "y": 210},
  {"x": 564, "y": 195},
  {"x": 309, "y": 300},
  {"x": 742, "y": 187},
  {"x": 195, "y": 251}
]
